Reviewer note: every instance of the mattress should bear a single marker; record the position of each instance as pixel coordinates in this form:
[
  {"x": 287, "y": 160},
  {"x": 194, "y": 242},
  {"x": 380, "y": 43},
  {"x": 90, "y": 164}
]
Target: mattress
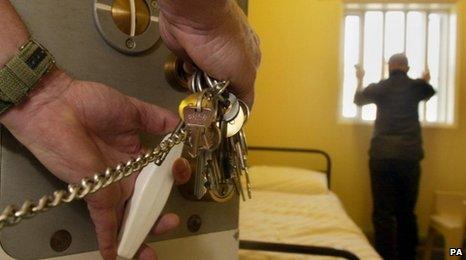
[
  {"x": 303, "y": 218},
  {"x": 288, "y": 179}
]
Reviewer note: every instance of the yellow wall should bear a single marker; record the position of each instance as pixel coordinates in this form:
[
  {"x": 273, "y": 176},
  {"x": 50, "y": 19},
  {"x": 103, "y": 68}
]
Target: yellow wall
[{"x": 297, "y": 105}]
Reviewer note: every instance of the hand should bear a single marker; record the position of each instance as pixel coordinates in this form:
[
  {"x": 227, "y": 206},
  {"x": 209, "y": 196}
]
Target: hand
[
  {"x": 426, "y": 75},
  {"x": 79, "y": 128},
  {"x": 360, "y": 73},
  {"x": 216, "y": 36}
]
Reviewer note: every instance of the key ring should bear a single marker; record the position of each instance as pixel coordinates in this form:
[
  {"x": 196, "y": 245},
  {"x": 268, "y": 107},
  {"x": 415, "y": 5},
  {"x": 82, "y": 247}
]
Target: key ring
[
  {"x": 199, "y": 82},
  {"x": 214, "y": 84},
  {"x": 210, "y": 81},
  {"x": 200, "y": 99},
  {"x": 246, "y": 110},
  {"x": 194, "y": 82}
]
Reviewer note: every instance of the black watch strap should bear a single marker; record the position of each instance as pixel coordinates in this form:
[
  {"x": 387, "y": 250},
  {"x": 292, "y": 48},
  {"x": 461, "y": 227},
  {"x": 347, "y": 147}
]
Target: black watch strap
[{"x": 22, "y": 73}]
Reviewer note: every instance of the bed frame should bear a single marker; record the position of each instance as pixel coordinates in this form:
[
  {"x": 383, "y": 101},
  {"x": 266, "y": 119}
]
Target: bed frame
[
  {"x": 290, "y": 248},
  {"x": 328, "y": 160}
]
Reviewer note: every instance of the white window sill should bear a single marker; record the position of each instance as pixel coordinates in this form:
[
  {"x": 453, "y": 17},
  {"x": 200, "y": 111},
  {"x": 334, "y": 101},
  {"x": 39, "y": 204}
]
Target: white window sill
[{"x": 427, "y": 125}]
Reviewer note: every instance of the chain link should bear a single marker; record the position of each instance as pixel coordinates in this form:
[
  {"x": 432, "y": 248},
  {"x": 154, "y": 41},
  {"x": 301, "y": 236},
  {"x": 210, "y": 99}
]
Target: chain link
[{"x": 89, "y": 185}]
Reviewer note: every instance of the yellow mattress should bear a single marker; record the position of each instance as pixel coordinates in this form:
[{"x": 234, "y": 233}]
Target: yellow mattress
[
  {"x": 288, "y": 179},
  {"x": 317, "y": 220}
]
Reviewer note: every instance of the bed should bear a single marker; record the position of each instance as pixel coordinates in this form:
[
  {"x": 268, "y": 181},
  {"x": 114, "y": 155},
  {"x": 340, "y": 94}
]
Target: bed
[{"x": 295, "y": 215}]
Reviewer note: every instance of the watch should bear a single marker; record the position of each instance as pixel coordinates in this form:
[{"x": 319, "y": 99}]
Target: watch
[{"x": 22, "y": 73}]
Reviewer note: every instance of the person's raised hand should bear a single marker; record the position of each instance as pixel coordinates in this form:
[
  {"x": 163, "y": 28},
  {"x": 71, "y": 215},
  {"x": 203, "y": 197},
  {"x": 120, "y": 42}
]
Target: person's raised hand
[
  {"x": 360, "y": 73},
  {"x": 79, "y": 128},
  {"x": 216, "y": 36},
  {"x": 426, "y": 75}
]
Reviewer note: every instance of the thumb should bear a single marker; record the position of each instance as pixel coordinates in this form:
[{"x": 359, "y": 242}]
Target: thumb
[{"x": 154, "y": 119}]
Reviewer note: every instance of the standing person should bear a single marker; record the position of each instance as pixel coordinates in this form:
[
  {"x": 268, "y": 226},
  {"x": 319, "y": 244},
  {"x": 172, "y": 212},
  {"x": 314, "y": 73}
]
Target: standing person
[{"x": 395, "y": 153}]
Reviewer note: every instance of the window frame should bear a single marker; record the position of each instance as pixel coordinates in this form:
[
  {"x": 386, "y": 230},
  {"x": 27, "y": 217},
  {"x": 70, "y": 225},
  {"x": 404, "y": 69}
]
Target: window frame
[{"x": 359, "y": 8}]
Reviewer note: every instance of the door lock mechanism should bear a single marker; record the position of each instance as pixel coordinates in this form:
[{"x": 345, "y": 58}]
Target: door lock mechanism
[
  {"x": 129, "y": 26},
  {"x": 175, "y": 74}
]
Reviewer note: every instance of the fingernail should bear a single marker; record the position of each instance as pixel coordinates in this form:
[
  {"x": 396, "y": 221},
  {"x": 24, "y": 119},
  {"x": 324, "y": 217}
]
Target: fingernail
[
  {"x": 180, "y": 168},
  {"x": 172, "y": 221},
  {"x": 167, "y": 223}
]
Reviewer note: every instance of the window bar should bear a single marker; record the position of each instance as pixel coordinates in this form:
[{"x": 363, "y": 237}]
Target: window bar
[
  {"x": 424, "y": 103},
  {"x": 443, "y": 61},
  {"x": 382, "y": 75},
  {"x": 452, "y": 48},
  {"x": 445, "y": 80},
  {"x": 446, "y": 89},
  {"x": 362, "y": 25},
  {"x": 406, "y": 32}
]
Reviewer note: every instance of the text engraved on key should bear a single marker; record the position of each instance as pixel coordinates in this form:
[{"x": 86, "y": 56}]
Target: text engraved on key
[
  {"x": 195, "y": 117},
  {"x": 198, "y": 112}
]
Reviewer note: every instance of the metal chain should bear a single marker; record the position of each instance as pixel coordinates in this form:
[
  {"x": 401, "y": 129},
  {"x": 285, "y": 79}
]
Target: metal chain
[
  {"x": 89, "y": 185},
  {"x": 11, "y": 216}
]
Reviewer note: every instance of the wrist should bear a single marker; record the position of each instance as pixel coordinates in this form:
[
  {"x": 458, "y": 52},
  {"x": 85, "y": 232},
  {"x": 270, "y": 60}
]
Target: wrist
[
  {"x": 360, "y": 84},
  {"x": 13, "y": 35},
  {"x": 47, "y": 90}
]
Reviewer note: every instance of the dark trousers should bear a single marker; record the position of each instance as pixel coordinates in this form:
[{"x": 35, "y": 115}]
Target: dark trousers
[{"x": 395, "y": 185}]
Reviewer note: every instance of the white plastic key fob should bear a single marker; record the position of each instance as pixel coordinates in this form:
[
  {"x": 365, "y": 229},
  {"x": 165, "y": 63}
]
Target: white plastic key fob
[{"x": 151, "y": 191}]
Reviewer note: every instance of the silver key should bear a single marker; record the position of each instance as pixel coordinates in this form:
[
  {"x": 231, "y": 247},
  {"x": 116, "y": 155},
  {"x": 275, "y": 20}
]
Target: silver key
[
  {"x": 233, "y": 114},
  {"x": 236, "y": 167},
  {"x": 243, "y": 142},
  {"x": 233, "y": 108},
  {"x": 223, "y": 190},
  {"x": 212, "y": 138},
  {"x": 210, "y": 171},
  {"x": 242, "y": 158}
]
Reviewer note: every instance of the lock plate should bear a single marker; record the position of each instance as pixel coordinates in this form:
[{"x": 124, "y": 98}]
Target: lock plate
[
  {"x": 68, "y": 29},
  {"x": 129, "y": 26}
]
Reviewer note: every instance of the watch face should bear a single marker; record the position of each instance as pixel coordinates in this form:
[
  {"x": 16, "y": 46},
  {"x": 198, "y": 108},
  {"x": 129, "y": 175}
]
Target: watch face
[{"x": 36, "y": 58}]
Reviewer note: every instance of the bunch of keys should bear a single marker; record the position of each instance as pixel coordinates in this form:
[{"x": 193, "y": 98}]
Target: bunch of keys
[{"x": 216, "y": 144}]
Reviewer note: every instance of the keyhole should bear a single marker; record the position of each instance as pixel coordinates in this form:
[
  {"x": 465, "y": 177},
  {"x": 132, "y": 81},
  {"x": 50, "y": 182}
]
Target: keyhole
[{"x": 132, "y": 17}]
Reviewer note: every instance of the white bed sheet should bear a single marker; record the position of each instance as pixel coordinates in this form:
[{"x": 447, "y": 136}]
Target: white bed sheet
[{"x": 317, "y": 220}]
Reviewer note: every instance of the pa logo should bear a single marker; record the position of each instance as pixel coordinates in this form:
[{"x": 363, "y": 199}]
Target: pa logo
[{"x": 456, "y": 252}]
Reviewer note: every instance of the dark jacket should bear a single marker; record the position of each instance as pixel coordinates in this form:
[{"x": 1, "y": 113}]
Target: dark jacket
[{"x": 397, "y": 133}]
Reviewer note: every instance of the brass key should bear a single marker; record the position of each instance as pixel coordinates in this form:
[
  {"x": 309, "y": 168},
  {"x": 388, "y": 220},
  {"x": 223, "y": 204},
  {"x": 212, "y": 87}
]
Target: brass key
[
  {"x": 200, "y": 182},
  {"x": 199, "y": 113},
  {"x": 242, "y": 159}
]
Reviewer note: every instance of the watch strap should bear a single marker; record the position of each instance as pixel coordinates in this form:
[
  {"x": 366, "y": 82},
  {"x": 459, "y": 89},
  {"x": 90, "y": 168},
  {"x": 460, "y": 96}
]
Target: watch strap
[{"x": 22, "y": 73}]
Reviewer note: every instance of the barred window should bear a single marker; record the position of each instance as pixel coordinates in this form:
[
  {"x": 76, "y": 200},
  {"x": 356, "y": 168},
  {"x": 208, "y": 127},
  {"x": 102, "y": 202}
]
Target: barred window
[{"x": 426, "y": 33}]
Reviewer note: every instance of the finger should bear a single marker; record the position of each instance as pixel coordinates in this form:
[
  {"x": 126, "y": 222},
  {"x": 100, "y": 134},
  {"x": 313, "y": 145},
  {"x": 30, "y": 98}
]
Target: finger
[
  {"x": 102, "y": 207},
  {"x": 166, "y": 223},
  {"x": 146, "y": 253},
  {"x": 105, "y": 220},
  {"x": 120, "y": 211},
  {"x": 154, "y": 119},
  {"x": 249, "y": 99},
  {"x": 244, "y": 93},
  {"x": 194, "y": 13},
  {"x": 181, "y": 171}
]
